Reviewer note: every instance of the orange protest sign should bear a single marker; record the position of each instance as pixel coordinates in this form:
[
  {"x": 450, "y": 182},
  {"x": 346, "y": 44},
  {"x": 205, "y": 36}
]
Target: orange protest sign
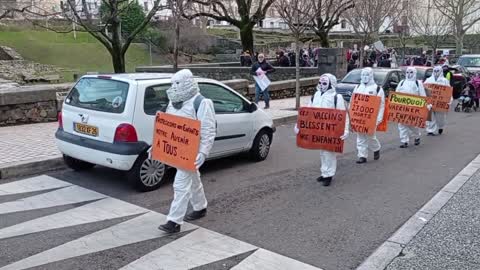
[
  {"x": 176, "y": 140},
  {"x": 383, "y": 126},
  {"x": 439, "y": 96},
  {"x": 363, "y": 113},
  {"x": 407, "y": 109},
  {"x": 321, "y": 129}
]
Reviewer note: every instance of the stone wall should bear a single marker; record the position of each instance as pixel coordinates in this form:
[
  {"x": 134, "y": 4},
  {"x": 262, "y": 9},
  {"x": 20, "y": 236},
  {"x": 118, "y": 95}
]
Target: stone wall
[
  {"x": 30, "y": 104},
  {"x": 40, "y": 103},
  {"x": 7, "y": 53},
  {"x": 223, "y": 73}
]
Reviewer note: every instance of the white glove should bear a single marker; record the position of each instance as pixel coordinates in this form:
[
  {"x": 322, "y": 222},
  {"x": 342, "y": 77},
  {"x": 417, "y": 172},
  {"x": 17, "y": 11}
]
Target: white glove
[
  {"x": 149, "y": 152},
  {"x": 344, "y": 136},
  {"x": 200, "y": 160},
  {"x": 429, "y": 107},
  {"x": 296, "y": 129}
]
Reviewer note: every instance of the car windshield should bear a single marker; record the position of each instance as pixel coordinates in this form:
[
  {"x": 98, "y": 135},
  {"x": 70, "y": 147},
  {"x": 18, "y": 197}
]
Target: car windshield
[
  {"x": 99, "y": 94},
  {"x": 354, "y": 76},
  {"x": 469, "y": 61},
  {"x": 423, "y": 74}
]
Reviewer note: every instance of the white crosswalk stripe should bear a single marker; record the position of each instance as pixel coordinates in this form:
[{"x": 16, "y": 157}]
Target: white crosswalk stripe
[{"x": 198, "y": 247}]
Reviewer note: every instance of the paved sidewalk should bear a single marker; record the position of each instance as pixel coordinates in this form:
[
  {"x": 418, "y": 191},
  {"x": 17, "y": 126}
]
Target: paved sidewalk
[
  {"x": 29, "y": 149},
  {"x": 444, "y": 234}
]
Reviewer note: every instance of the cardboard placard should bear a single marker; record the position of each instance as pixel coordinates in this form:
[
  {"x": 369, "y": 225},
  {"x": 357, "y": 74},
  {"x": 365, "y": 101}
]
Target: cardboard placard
[
  {"x": 321, "y": 129},
  {"x": 383, "y": 126},
  {"x": 439, "y": 96},
  {"x": 176, "y": 140},
  {"x": 363, "y": 113},
  {"x": 410, "y": 110}
]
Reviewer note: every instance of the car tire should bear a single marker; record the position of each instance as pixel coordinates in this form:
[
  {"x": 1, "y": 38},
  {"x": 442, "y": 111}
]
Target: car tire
[
  {"x": 147, "y": 174},
  {"x": 76, "y": 164},
  {"x": 261, "y": 145}
]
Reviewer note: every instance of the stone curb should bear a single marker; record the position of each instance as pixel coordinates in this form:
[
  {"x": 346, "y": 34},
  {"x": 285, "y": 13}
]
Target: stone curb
[
  {"x": 390, "y": 249},
  {"x": 46, "y": 164},
  {"x": 30, "y": 167}
]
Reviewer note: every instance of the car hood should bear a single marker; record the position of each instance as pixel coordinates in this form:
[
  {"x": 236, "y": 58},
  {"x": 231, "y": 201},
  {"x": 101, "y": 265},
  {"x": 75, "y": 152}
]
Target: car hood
[{"x": 345, "y": 88}]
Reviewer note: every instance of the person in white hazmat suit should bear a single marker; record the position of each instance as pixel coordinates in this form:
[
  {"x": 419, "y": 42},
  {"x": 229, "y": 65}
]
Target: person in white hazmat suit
[
  {"x": 364, "y": 141},
  {"x": 325, "y": 97},
  {"x": 187, "y": 185},
  {"x": 439, "y": 119},
  {"x": 413, "y": 87}
]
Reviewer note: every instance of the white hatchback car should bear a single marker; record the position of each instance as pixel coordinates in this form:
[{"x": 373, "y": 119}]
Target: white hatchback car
[{"x": 108, "y": 120}]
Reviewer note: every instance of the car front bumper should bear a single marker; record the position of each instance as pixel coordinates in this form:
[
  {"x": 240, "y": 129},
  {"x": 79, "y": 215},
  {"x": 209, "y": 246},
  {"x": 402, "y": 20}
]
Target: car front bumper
[{"x": 120, "y": 156}]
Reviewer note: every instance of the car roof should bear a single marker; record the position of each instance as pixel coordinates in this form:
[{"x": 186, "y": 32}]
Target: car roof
[
  {"x": 417, "y": 67},
  {"x": 134, "y": 76},
  {"x": 470, "y": 55},
  {"x": 379, "y": 69}
]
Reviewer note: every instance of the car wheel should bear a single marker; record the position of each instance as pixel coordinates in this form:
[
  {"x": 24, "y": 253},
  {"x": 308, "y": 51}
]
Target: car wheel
[
  {"x": 147, "y": 174},
  {"x": 76, "y": 164},
  {"x": 261, "y": 146}
]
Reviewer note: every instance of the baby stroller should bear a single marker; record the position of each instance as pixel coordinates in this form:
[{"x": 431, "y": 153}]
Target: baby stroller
[{"x": 466, "y": 101}]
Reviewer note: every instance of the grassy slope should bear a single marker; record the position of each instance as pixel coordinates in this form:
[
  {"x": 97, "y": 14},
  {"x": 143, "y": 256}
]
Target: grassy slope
[{"x": 76, "y": 56}]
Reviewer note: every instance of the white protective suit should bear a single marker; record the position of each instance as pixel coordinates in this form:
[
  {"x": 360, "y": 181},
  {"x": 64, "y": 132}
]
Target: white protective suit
[
  {"x": 414, "y": 87},
  {"x": 187, "y": 185},
  {"x": 439, "y": 119},
  {"x": 369, "y": 87},
  {"x": 325, "y": 98}
]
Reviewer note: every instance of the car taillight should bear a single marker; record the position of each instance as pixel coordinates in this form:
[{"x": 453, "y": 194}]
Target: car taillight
[
  {"x": 60, "y": 120},
  {"x": 125, "y": 133}
]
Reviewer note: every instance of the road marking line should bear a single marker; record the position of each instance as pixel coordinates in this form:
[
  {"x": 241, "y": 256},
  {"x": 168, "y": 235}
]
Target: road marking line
[
  {"x": 267, "y": 260},
  {"x": 33, "y": 184},
  {"x": 195, "y": 249},
  {"x": 64, "y": 196},
  {"x": 136, "y": 230},
  {"x": 104, "y": 209}
]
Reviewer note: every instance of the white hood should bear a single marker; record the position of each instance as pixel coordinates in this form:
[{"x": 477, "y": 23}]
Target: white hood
[{"x": 184, "y": 87}]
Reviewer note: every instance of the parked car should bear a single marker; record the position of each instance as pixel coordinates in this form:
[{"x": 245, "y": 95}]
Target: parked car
[
  {"x": 470, "y": 61},
  {"x": 109, "y": 121},
  {"x": 385, "y": 77}
]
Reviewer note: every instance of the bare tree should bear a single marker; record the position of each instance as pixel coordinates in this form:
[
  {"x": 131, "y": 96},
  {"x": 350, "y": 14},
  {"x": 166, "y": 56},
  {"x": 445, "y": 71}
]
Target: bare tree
[
  {"x": 462, "y": 14},
  {"x": 243, "y": 14},
  {"x": 298, "y": 15},
  {"x": 430, "y": 24},
  {"x": 368, "y": 18},
  {"x": 177, "y": 8},
  {"x": 328, "y": 14},
  {"x": 110, "y": 33}
]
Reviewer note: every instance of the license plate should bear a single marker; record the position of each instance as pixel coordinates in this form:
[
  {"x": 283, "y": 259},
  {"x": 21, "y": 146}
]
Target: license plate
[{"x": 85, "y": 129}]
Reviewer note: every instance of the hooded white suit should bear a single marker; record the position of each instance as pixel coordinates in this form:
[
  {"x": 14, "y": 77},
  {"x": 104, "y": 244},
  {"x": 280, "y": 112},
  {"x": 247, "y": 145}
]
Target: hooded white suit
[
  {"x": 413, "y": 87},
  {"x": 325, "y": 98},
  {"x": 439, "y": 119},
  {"x": 187, "y": 185},
  {"x": 369, "y": 87}
]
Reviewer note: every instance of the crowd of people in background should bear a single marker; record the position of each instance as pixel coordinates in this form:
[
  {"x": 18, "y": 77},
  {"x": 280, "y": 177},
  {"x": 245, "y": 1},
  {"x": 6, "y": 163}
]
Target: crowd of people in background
[{"x": 285, "y": 57}]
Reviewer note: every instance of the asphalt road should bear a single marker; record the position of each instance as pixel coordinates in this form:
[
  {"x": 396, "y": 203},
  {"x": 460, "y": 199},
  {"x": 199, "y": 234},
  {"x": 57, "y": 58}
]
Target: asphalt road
[{"x": 278, "y": 205}]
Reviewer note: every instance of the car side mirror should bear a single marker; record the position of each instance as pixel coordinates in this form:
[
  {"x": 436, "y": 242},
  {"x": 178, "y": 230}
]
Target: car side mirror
[{"x": 252, "y": 107}]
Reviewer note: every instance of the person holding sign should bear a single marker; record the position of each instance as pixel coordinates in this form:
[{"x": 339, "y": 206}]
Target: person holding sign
[
  {"x": 439, "y": 119},
  {"x": 327, "y": 97},
  {"x": 259, "y": 71},
  {"x": 413, "y": 87},
  {"x": 365, "y": 141},
  {"x": 187, "y": 185}
]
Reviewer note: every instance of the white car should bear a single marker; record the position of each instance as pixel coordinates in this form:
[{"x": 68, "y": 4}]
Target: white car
[{"x": 108, "y": 120}]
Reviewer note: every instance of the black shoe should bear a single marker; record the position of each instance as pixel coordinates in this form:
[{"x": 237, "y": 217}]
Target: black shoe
[
  {"x": 196, "y": 215},
  {"x": 417, "y": 141},
  {"x": 440, "y": 131},
  {"x": 376, "y": 155},
  {"x": 320, "y": 179},
  {"x": 267, "y": 107},
  {"x": 327, "y": 181},
  {"x": 361, "y": 160},
  {"x": 430, "y": 134},
  {"x": 170, "y": 227},
  {"x": 404, "y": 145}
]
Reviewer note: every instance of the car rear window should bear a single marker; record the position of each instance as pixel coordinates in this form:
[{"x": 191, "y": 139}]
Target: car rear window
[{"x": 99, "y": 94}]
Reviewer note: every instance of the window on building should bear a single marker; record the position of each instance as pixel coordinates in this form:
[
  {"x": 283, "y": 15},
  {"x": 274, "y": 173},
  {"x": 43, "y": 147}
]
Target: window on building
[
  {"x": 145, "y": 6},
  {"x": 89, "y": 6},
  {"x": 271, "y": 12},
  {"x": 343, "y": 24},
  {"x": 272, "y": 25}
]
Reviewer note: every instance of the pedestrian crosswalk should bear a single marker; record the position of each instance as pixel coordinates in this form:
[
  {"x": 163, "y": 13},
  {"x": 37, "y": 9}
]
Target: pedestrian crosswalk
[{"x": 196, "y": 247}]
